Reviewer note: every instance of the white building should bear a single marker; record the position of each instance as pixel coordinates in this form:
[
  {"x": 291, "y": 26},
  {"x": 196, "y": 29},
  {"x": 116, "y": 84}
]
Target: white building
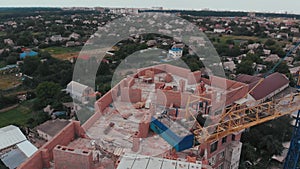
[
  {"x": 229, "y": 66},
  {"x": 219, "y": 30},
  {"x": 79, "y": 91},
  {"x": 75, "y": 36},
  {"x": 175, "y": 53},
  {"x": 56, "y": 38},
  {"x": 14, "y": 147},
  {"x": 9, "y": 42},
  {"x": 10, "y": 136}
]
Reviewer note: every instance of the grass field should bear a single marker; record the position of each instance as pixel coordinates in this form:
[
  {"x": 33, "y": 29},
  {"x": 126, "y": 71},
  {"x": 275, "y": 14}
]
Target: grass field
[
  {"x": 18, "y": 115},
  {"x": 63, "y": 52},
  {"x": 224, "y": 38},
  {"x": 2, "y": 64},
  {"x": 2, "y": 33},
  {"x": 9, "y": 81}
]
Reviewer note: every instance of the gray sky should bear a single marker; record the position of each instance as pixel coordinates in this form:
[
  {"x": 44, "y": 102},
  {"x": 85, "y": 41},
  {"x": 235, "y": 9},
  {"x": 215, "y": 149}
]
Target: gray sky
[{"x": 291, "y": 6}]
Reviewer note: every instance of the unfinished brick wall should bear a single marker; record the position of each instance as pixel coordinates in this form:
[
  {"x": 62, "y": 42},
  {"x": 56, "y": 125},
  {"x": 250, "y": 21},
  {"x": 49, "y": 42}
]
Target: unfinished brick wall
[
  {"x": 142, "y": 72},
  {"x": 236, "y": 90},
  {"x": 131, "y": 95},
  {"x": 206, "y": 81},
  {"x": 114, "y": 93},
  {"x": 167, "y": 97},
  {"x": 159, "y": 68},
  {"x": 34, "y": 162},
  {"x": 194, "y": 77},
  {"x": 182, "y": 72},
  {"x": 123, "y": 83},
  {"x": 155, "y": 69},
  {"x": 144, "y": 125},
  {"x": 64, "y": 137},
  {"x": 159, "y": 84},
  {"x": 181, "y": 85},
  {"x": 168, "y": 78},
  {"x": 91, "y": 120},
  {"x": 65, "y": 157},
  {"x": 131, "y": 82},
  {"x": 104, "y": 102},
  {"x": 79, "y": 131},
  {"x": 41, "y": 159},
  {"x": 149, "y": 74},
  {"x": 184, "y": 98}
]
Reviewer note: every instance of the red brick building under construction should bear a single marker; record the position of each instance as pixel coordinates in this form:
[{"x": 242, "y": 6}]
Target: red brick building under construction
[{"x": 151, "y": 113}]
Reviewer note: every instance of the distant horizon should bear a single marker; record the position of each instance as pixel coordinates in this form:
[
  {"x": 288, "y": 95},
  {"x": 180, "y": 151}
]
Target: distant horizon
[
  {"x": 265, "y": 6},
  {"x": 151, "y": 8}
]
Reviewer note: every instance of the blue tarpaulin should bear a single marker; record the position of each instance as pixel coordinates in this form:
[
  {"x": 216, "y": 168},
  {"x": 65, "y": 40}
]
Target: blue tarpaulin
[{"x": 28, "y": 53}]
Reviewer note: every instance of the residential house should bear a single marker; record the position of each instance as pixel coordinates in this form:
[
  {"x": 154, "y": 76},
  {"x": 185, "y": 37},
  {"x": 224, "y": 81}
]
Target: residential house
[
  {"x": 265, "y": 89},
  {"x": 294, "y": 71},
  {"x": 70, "y": 44},
  {"x": 79, "y": 91},
  {"x": 282, "y": 36},
  {"x": 179, "y": 45},
  {"x": 58, "y": 21},
  {"x": 267, "y": 52},
  {"x": 253, "y": 46},
  {"x": 151, "y": 43},
  {"x": 289, "y": 60},
  {"x": 295, "y": 30},
  {"x": 175, "y": 53},
  {"x": 50, "y": 128},
  {"x": 219, "y": 30},
  {"x": 9, "y": 42},
  {"x": 272, "y": 58},
  {"x": 56, "y": 38},
  {"x": 74, "y": 36},
  {"x": 260, "y": 67},
  {"x": 229, "y": 66}
]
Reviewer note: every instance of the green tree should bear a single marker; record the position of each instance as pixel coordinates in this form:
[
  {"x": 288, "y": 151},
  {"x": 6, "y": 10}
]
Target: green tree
[
  {"x": 249, "y": 153},
  {"x": 47, "y": 94},
  {"x": 270, "y": 42},
  {"x": 245, "y": 67},
  {"x": 30, "y": 65},
  {"x": 283, "y": 68},
  {"x": 269, "y": 146},
  {"x": 230, "y": 41},
  {"x": 11, "y": 59},
  {"x": 47, "y": 90},
  {"x": 6, "y": 101}
]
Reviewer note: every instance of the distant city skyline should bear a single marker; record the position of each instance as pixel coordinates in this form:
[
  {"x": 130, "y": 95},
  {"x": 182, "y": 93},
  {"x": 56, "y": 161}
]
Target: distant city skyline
[{"x": 278, "y": 6}]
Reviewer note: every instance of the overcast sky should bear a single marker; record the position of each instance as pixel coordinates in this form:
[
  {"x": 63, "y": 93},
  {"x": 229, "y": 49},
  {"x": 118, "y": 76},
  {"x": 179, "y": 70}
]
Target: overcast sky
[{"x": 291, "y": 6}]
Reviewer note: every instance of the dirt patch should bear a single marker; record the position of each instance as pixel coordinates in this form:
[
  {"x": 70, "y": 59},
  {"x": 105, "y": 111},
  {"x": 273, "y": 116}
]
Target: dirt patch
[
  {"x": 9, "y": 81},
  {"x": 66, "y": 56},
  {"x": 9, "y": 108}
]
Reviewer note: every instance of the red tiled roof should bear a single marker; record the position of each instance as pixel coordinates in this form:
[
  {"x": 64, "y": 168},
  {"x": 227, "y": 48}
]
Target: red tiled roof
[
  {"x": 248, "y": 79},
  {"x": 270, "y": 84}
]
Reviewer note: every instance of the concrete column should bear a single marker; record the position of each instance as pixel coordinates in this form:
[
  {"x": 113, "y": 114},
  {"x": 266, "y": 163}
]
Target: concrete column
[
  {"x": 181, "y": 85},
  {"x": 136, "y": 142}
]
